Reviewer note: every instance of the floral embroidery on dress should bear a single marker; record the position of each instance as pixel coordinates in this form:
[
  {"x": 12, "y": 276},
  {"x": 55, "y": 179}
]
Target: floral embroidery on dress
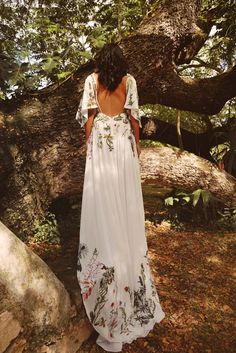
[
  {"x": 106, "y": 280},
  {"x": 90, "y": 146},
  {"x": 132, "y": 99},
  {"x": 82, "y": 252},
  {"x": 89, "y": 101},
  {"x": 144, "y": 307},
  {"x": 89, "y": 277},
  {"x": 99, "y": 142},
  {"x": 130, "y": 137},
  {"x": 109, "y": 137}
]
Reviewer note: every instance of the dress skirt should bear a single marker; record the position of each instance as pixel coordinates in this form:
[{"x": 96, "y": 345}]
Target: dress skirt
[{"x": 113, "y": 271}]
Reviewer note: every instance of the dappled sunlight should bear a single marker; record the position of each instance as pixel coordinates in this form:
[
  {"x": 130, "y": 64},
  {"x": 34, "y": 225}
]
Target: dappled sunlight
[
  {"x": 214, "y": 259},
  {"x": 193, "y": 273},
  {"x": 210, "y": 304}
]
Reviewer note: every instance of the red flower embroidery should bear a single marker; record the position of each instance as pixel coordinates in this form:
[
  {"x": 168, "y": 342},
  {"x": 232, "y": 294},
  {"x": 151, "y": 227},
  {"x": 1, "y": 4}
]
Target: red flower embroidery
[
  {"x": 112, "y": 304},
  {"x": 126, "y": 289}
]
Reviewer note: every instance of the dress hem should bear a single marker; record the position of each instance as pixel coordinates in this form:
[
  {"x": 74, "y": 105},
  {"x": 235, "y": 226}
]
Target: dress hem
[{"x": 116, "y": 346}]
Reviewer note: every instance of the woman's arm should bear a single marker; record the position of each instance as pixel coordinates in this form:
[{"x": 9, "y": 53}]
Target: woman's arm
[{"x": 89, "y": 123}]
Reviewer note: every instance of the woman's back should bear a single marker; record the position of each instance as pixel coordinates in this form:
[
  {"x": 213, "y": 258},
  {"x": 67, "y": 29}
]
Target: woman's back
[{"x": 111, "y": 103}]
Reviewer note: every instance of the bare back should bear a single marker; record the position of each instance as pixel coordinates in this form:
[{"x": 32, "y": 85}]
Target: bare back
[{"x": 111, "y": 103}]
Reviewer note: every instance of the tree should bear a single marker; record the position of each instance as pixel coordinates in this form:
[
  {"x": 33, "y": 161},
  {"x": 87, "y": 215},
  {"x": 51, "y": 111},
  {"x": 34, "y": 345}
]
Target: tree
[{"x": 42, "y": 147}]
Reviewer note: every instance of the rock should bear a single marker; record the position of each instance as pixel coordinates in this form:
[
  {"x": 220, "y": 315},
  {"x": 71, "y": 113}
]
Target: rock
[
  {"x": 72, "y": 339},
  {"x": 17, "y": 347},
  {"x": 39, "y": 294},
  {"x": 9, "y": 329}
]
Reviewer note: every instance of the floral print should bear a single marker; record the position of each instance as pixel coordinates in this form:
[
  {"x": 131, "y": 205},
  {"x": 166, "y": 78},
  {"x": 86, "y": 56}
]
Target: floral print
[
  {"x": 106, "y": 129},
  {"x": 89, "y": 99},
  {"x": 112, "y": 269},
  {"x": 89, "y": 278},
  {"x": 89, "y": 146},
  {"x": 100, "y": 278},
  {"x": 130, "y": 137}
]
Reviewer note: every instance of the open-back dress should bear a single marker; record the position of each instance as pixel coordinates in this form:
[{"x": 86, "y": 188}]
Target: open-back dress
[{"x": 113, "y": 270}]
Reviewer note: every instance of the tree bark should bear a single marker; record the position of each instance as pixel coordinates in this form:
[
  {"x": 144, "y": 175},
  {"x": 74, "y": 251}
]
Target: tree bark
[
  {"x": 174, "y": 167},
  {"x": 197, "y": 143},
  {"x": 169, "y": 36},
  {"x": 42, "y": 149}
]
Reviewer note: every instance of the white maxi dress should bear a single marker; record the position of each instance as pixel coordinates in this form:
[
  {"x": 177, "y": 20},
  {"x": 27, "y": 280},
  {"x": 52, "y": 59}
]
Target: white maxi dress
[{"x": 113, "y": 270}]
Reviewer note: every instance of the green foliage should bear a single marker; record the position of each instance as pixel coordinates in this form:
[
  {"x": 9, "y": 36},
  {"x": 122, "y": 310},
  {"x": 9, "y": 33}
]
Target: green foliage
[
  {"x": 219, "y": 151},
  {"x": 190, "y": 121},
  {"x": 227, "y": 218},
  {"x": 198, "y": 206},
  {"x": 46, "y": 230},
  {"x": 218, "y": 53},
  {"x": 202, "y": 197},
  {"x": 150, "y": 143},
  {"x": 193, "y": 197},
  {"x": 222, "y": 15},
  {"x": 225, "y": 153},
  {"x": 41, "y": 45}
]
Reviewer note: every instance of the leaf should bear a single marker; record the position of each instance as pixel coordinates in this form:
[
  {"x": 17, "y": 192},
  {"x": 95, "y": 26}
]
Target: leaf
[
  {"x": 186, "y": 198},
  {"x": 205, "y": 196},
  {"x": 169, "y": 201},
  {"x": 181, "y": 193},
  {"x": 51, "y": 63},
  {"x": 85, "y": 54},
  {"x": 196, "y": 194},
  {"x": 2, "y": 95}
]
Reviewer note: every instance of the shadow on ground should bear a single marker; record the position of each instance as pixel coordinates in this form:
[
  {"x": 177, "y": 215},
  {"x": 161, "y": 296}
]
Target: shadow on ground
[{"x": 194, "y": 277}]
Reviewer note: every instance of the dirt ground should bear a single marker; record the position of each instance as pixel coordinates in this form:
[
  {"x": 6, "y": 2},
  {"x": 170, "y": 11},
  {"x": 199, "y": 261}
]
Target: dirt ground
[{"x": 194, "y": 275}]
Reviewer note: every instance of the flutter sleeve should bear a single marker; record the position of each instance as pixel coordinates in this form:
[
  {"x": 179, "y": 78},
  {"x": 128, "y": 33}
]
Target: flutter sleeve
[
  {"x": 132, "y": 99},
  {"x": 88, "y": 101}
]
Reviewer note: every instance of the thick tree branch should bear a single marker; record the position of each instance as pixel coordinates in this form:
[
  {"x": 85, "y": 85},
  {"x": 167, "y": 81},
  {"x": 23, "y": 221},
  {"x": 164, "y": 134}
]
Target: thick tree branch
[
  {"x": 187, "y": 170},
  {"x": 202, "y": 63},
  {"x": 46, "y": 159},
  {"x": 205, "y": 96},
  {"x": 161, "y": 42}
]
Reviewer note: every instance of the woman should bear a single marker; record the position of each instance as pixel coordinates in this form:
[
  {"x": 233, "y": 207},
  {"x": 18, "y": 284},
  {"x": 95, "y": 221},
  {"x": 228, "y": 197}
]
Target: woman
[{"x": 116, "y": 283}]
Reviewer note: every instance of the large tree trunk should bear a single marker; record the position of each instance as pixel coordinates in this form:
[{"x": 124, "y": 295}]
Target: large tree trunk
[
  {"x": 36, "y": 310},
  {"x": 42, "y": 153},
  {"x": 42, "y": 150}
]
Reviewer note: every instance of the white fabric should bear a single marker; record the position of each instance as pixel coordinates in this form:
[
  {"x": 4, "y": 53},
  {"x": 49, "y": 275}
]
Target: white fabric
[
  {"x": 89, "y": 99},
  {"x": 113, "y": 271}
]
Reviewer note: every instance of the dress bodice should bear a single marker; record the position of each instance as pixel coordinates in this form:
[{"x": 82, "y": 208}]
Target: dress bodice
[{"x": 89, "y": 99}]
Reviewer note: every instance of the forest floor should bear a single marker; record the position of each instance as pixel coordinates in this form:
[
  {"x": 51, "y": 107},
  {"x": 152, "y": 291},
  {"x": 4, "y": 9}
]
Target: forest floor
[{"x": 194, "y": 273}]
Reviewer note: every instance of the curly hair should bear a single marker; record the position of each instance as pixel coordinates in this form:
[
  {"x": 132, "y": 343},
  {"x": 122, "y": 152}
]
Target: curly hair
[{"x": 111, "y": 65}]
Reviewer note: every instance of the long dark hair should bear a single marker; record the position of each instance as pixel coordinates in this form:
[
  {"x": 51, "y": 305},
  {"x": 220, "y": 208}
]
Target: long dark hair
[{"x": 111, "y": 65}]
